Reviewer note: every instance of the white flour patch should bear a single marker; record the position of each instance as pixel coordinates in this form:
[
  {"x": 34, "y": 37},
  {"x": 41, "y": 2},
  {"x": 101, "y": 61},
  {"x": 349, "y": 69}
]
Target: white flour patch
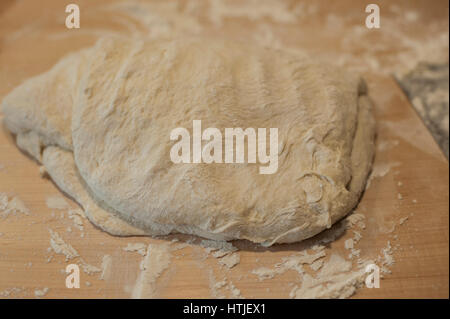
[
  {"x": 13, "y": 207},
  {"x": 215, "y": 286},
  {"x": 156, "y": 261},
  {"x": 381, "y": 170},
  {"x": 335, "y": 280},
  {"x": 59, "y": 246},
  {"x": 77, "y": 216},
  {"x": 11, "y": 291},
  {"x": 41, "y": 292},
  {"x": 106, "y": 267},
  {"x": 56, "y": 202},
  {"x": 387, "y": 145},
  {"x": 213, "y": 245},
  {"x": 3, "y": 201},
  {"x": 293, "y": 262},
  {"x": 230, "y": 260},
  {"x": 140, "y": 248}
]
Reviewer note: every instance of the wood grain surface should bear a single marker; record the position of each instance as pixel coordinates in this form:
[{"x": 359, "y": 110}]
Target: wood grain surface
[{"x": 33, "y": 37}]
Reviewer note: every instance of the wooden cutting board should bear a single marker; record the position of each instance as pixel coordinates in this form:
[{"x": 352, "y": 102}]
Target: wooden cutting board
[{"x": 412, "y": 181}]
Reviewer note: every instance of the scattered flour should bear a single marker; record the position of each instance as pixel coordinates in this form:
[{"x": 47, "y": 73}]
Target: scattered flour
[
  {"x": 56, "y": 202},
  {"x": 41, "y": 292},
  {"x": 356, "y": 219},
  {"x": 140, "y": 248},
  {"x": 356, "y": 236},
  {"x": 387, "y": 258},
  {"x": 381, "y": 170},
  {"x": 293, "y": 262},
  {"x": 215, "y": 286},
  {"x": 335, "y": 280},
  {"x": 224, "y": 251},
  {"x": 403, "y": 220},
  {"x": 59, "y": 246},
  {"x": 89, "y": 269},
  {"x": 155, "y": 262},
  {"x": 106, "y": 267},
  {"x": 3, "y": 201},
  {"x": 235, "y": 293},
  {"x": 15, "y": 206},
  {"x": 349, "y": 243},
  {"x": 315, "y": 266},
  {"x": 10, "y": 291},
  {"x": 230, "y": 260},
  {"x": 336, "y": 277},
  {"x": 253, "y": 10},
  {"x": 387, "y": 145},
  {"x": 213, "y": 245},
  {"x": 77, "y": 216}
]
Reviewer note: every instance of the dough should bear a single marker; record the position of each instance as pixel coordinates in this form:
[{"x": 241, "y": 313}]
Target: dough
[{"x": 100, "y": 122}]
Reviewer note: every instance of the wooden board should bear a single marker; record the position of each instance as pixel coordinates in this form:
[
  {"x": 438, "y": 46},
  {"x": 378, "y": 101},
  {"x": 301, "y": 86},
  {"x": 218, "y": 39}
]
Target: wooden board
[{"x": 418, "y": 171}]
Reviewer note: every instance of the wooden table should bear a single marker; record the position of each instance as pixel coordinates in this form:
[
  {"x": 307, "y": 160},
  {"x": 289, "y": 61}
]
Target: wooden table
[{"x": 33, "y": 37}]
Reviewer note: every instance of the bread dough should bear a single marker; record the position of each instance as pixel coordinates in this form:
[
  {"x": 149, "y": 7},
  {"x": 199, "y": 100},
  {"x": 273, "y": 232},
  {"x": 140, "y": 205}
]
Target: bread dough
[{"x": 100, "y": 122}]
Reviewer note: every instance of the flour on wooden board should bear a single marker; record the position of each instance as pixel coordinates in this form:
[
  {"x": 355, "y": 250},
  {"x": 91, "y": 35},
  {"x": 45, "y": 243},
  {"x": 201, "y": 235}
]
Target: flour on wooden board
[
  {"x": 224, "y": 251},
  {"x": 77, "y": 216},
  {"x": 387, "y": 258},
  {"x": 316, "y": 265},
  {"x": 335, "y": 277},
  {"x": 293, "y": 262},
  {"x": 235, "y": 292},
  {"x": 59, "y": 246},
  {"x": 56, "y": 202},
  {"x": 41, "y": 292},
  {"x": 403, "y": 220},
  {"x": 213, "y": 245},
  {"x": 215, "y": 286},
  {"x": 11, "y": 291},
  {"x": 15, "y": 206},
  {"x": 403, "y": 49},
  {"x": 356, "y": 219},
  {"x": 383, "y": 146},
  {"x": 230, "y": 260},
  {"x": 155, "y": 262},
  {"x": 334, "y": 280},
  {"x": 106, "y": 267},
  {"x": 140, "y": 248},
  {"x": 380, "y": 170},
  {"x": 3, "y": 201},
  {"x": 88, "y": 268}
]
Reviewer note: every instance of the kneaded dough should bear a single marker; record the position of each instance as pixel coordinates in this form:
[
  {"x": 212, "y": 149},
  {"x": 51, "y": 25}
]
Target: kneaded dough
[{"x": 100, "y": 122}]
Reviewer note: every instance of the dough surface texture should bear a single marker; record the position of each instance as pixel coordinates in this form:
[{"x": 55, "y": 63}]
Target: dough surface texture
[{"x": 100, "y": 122}]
